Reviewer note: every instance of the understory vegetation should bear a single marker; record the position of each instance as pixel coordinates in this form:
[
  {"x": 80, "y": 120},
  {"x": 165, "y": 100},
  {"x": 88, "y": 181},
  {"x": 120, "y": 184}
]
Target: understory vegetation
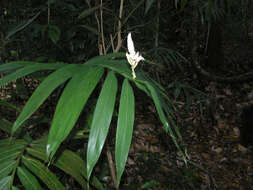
[{"x": 138, "y": 94}]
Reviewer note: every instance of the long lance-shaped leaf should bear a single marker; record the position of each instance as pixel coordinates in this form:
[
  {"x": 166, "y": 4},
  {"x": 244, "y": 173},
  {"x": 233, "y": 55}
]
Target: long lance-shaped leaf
[
  {"x": 43, "y": 91},
  {"x": 158, "y": 106},
  {"x": 13, "y": 66},
  {"x": 21, "y": 26},
  {"x": 160, "y": 110},
  {"x": 124, "y": 127},
  {"x": 119, "y": 66},
  {"x": 28, "y": 70},
  {"x": 71, "y": 104},
  {"x": 101, "y": 121},
  {"x": 43, "y": 173},
  {"x": 28, "y": 180}
]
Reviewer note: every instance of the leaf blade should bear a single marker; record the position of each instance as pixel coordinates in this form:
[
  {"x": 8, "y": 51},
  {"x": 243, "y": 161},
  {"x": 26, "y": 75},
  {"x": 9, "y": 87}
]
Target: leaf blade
[
  {"x": 124, "y": 127},
  {"x": 70, "y": 105},
  {"x": 43, "y": 91},
  {"x": 27, "y": 179},
  {"x": 28, "y": 70},
  {"x": 101, "y": 120},
  {"x": 43, "y": 173}
]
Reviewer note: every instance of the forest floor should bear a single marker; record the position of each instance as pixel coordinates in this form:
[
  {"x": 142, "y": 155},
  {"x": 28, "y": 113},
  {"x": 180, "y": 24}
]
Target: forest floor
[{"x": 217, "y": 160}]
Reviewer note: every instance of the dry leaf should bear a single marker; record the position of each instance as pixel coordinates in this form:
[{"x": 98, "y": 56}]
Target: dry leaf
[{"x": 242, "y": 148}]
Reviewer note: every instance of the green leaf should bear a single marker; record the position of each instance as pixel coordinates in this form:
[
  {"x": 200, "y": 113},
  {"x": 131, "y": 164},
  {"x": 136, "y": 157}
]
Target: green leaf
[
  {"x": 67, "y": 161},
  {"x": 150, "y": 184},
  {"x": 5, "y": 183},
  {"x": 11, "y": 66},
  {"x": 5, "y": 126},
  {"x": 27, "y": 179},
  {"x": 101, "y": 120},
  {"x": 38, "y": 152},
  {"x": 9, "y": 105},
  {"x": 10, "y": 151},
  {"x": 91, "y": 29},
  {"x": 70, "y": 163},
  {"x": 183, "y": 3},
  {"x": 12, "y": 142},
  {"x": 43, "y": 173},
  {"x": 6, "y": 168},
  {"x": 158, "y": 106},
  {"x": 88, "y": 12},
  {"x": 177, "y": 92},
  {"x": 21, "y": 26},
  {"x": 43, "y": 91},
  {"x": 14, "y": 188},
  {"x": 28, "y": 70},
  {"x": 124, "y": 127},
  {"x": 120, "y": 66},
  {"x": 148, "y": 5},
  {"x": 54, "y": 33},
  {"x": 71, "y": 104}
]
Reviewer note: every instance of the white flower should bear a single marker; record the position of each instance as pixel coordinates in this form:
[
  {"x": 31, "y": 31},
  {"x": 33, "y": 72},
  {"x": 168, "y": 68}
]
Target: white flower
[{"x": 133, "y": 57}]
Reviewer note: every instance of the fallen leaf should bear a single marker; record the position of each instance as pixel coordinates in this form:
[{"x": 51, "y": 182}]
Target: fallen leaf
[{"x": 242, "y": 148}]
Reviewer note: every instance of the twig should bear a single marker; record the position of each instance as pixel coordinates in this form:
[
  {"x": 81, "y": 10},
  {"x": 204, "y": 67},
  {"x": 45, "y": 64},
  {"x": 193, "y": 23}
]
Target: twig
[
  {"x": 111, "y": 165},
  {"x": 119, "y": 27},
  {"x": 102, "y": 28},
  {"x": 157, "y": 23},
  {"x": 100, "y": 50},
  {"x": 111, "y": 38}
]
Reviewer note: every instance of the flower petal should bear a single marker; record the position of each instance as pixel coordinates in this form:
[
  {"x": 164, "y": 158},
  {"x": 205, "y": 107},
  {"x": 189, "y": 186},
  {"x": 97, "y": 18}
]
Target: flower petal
[{"x": 130, "y": 44}]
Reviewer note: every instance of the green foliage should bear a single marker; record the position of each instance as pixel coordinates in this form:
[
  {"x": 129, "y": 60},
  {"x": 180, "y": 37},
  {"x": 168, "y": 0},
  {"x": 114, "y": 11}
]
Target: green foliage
[
  {"x": 29, "y": 162},
  {"x": 74, "y": 41},
  {"x": 178, "y": 89},
  {"x": 101, "y": 120},
  {"x": 82, "y": 81},
  {"x": 124, "y": 127}
]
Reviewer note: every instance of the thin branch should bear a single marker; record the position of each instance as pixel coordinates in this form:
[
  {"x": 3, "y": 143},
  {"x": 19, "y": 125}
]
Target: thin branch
[
  {"x": 157, "y": 24},
  {"x": 119, "y": 27},
  {"x": 102, "y": 28},
  {"x": 111, "y": 165},
  {"x": 111, "y": 38},
  {"x": 99, "y": 29}
]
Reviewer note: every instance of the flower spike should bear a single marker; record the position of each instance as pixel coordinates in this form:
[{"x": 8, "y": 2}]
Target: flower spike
[{"x": 133, "y": 57}]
